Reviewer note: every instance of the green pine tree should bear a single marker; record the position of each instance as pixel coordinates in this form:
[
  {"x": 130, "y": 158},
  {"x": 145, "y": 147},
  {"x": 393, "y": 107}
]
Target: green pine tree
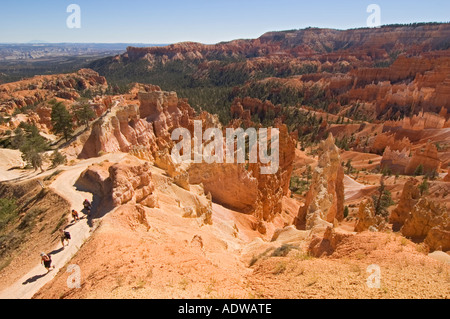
[
  {"x": 424, "y": 186},
  {"x": 383, "y": 201},
  {"x": 346, "y": 211},
  {"x": 58, "y": 159},
  {"x": 61, "y": 120},
  {"x": 84, "y": 113},
  {"x": 32, "y": 147},
  {"x": 419, "y": 170}
]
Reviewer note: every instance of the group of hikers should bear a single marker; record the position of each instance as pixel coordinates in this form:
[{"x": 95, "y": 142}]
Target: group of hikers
[{"x": 65, "y": 237}]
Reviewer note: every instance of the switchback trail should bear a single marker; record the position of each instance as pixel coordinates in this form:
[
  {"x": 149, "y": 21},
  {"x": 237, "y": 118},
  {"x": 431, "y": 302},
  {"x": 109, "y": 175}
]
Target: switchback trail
[{"x": 80, "y": 231}]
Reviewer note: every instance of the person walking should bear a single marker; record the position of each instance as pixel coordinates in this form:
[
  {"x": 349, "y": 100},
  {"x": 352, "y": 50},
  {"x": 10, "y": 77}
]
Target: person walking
[
  {"x": 46, "y": 260},
  {"x": 75, "y": 215},
  {"x": 87, "y": 206},
  {"x": 65, "y": 236}
]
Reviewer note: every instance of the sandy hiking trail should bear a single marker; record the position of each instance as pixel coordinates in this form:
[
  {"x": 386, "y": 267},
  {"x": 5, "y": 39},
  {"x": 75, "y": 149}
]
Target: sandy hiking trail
[
  {"x": 9, "y": 160},
  {"x": 80, "y": 231}
]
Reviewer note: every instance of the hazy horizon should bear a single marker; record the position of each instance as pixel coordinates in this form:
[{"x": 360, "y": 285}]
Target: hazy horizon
[
  {"x": 43, "y": 42},
  {"x": 208, "y": 22}
]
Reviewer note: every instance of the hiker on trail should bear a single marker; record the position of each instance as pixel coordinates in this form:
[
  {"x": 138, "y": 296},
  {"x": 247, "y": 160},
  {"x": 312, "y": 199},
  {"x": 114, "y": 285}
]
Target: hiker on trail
[
  {"x": 65, "y": 236},
  {"x": 87, "y": 205},
  {"x": 47, "y": 261},
  {"x": 75, "y": 215}
]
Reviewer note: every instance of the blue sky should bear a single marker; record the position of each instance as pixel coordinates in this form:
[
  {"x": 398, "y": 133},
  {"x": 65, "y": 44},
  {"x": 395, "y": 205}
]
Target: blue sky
[{"x": 206, "y": 21}]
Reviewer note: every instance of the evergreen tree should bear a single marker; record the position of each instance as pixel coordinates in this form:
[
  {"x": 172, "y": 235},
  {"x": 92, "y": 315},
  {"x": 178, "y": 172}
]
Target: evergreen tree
[
  {"x": 349, "y": 166},
  {"x": 419, "y": 170},
  {"x": 383, "y": 201},
  {"x": 18, "y": 138},
  {"x": 84, "y": 113},
  {"x": 58, "y": 158},
  {"x": 32, "y": 147},
  {"x": 386, "y": 171},
  {"x": 308, "y": 173},
  {"x": 433, "y": 175},
  {"x": 424, "y": 186},
  {"x": 346, "y": 211},
  {"x": 61, "y": 120}
]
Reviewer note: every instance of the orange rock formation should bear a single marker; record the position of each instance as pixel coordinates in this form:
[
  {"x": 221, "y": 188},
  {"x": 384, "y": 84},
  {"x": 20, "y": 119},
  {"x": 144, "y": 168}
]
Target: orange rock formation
[{"x": 325, "y": 198}]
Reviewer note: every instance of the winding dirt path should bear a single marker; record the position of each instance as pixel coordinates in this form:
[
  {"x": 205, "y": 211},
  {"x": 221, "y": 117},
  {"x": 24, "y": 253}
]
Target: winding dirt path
[{"x": 80, "y": 231}]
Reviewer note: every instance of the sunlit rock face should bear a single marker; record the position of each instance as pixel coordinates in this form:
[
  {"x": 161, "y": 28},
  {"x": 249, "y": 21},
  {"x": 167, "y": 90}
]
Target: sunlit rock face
[{"x": 325, "y": 198}]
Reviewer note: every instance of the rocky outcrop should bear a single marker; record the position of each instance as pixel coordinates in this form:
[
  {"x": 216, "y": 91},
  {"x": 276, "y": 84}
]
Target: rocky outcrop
[
  {"x": 180, "y": 176},
  {"x": 44, "y": 116},
  {"x": 447, "y": 177},
  {"x": 325, "y": 198},
  {"x": 424, "y": 216},
  {"x": 307, "y": 42},
  {"x": 338, "y": 64},
  {"x": 142, "y": 128},
  {"x": 165, "y": 111},
  {"x": 119, "y": 131},
  {"x": 438, "y": 238},
  {"x": 230, "y": 185},
  {"x": 247, "y": 107},
  {"x": 42, "y": 88},
  {"x": 238, "y": 111},
  {"x": 400, "y": 162},
  {"x": 28, "y": 100},
  {"x": 385, "y": 140},
  {"x": 427, "y": 157},
  {"x": 272, "y": 187},
  {"x": 409, "y": 84},
  {"x": 95, "y": 179},
  {"x": 421, "y": 219},
  {"x": 428, "y": 222},
  {"x": 119, "y": 184},
  {"x": 325, "y": 245},
  {"x": 367, "y": 219},
  {"x": 408, "y": 199},
  {"x": 245, "y": 189},
  {"x": 396, "y": 161},
  {"x": 422, "y": 121},
  {"x": 131, "y": 183}
]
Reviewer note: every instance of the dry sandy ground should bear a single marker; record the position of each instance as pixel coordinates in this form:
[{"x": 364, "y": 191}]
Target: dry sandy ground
[
  {"x": 10, "y": 159},
  {"x": 167, "y": 260},
  {"x": 163, "y": 255},
  {"x": 169, "y": 263},
  {"x": 405, "y": 272}
]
